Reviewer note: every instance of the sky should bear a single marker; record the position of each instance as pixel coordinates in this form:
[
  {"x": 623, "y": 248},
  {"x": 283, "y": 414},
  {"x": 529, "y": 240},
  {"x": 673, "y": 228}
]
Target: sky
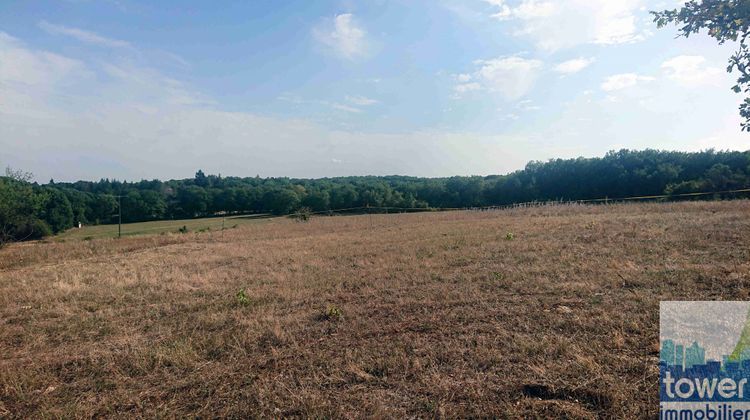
[{"x": 128, "y": 89}]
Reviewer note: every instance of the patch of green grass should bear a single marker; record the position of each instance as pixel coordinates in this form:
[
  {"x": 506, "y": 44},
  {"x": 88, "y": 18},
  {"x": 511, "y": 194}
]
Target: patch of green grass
[
  {"x": 154, "y": 228},
  {"x": 332, "y": 313},
  {"x": 242, "y": 298}
]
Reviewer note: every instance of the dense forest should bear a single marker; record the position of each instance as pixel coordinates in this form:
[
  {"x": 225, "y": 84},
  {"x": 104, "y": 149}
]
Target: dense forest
[{"x": 29, "y": 210}]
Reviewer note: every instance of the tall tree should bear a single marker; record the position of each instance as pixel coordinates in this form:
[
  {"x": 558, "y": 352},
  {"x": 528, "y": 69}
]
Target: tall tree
[
  {"x": 19, "y": 207},
  {"x": 58, "y": 212},
  {"x": 725, "y": 20}
]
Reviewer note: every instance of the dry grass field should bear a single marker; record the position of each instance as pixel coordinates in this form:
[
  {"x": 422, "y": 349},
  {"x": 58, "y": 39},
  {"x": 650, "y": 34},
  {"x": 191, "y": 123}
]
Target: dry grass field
[{"x": 413, "y": 315}]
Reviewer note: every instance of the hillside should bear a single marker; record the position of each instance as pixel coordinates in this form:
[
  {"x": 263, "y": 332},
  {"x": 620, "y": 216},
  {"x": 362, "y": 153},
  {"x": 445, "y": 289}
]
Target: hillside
[{"x": 403, "y": 315}]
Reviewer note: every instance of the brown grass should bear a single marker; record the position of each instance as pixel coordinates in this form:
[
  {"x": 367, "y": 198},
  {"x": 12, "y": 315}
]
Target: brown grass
[{"x": 387, "y": 316}]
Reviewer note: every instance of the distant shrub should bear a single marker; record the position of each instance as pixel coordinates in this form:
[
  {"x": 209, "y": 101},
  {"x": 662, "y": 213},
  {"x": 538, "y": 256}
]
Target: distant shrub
[
  {"x": 88, "y": 238},
  {"x": 33, "y": 229},
  {"x": 23, "y": 230},
  {"x": 183, "y": 229},
  {"x": 302, "y": 215},
  {"x": 509, "y": 236}
]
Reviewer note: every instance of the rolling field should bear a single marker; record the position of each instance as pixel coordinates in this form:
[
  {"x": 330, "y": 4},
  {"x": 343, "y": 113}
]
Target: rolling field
[
  {"x": 409, "y": 315},
  {"x": 156, "y": 227}
]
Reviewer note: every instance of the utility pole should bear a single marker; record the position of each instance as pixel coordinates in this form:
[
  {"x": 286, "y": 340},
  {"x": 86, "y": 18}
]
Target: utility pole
[
  {"x": 369, "y": 213},
  {"x": 119, "y": 216}
]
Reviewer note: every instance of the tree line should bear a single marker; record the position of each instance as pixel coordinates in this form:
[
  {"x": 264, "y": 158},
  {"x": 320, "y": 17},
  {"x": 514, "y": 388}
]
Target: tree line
[{"x": 30, "y": 210}]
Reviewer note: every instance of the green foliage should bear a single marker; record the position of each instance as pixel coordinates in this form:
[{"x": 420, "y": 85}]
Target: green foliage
[
  {"x": 302, "y": 215},
  {"x": 317, "y": 200},
  {"x": 724, "y": 20},
  {"x": 191, "y": 201},
  {"x": 25, "y": 207},
  {"x": 143, "y": 205},
  {"x": 509, "y": 236},
  {"x": 242, "y": 298},
  {"x": 332, "y": 313},
  {"x": 183, "y": 229},
  {"x": 58, "y": 212},
  {"x": 20, "y": 209},
  {"x": 282, "y": 201}
]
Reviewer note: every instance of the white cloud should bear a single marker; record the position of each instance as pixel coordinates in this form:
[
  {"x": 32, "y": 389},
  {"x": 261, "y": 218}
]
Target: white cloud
[
  {"x": 137, "y": 83},
  {"x": 32, "y": 80},
  {"x": 344, "y": 36},
  {"x": 355, "y": 100},
  {"x": 512, "y": 77},
  {"x": 347, "y": 108},
  {"x": 503, "y": 11},
  {"x": 690, "y": 70},
  {"x": 574, "y": 66},
  {"x": 32, "y": 68},
  {"x": 623, "y": 81},
  {"x": 554, "y": 25},
  {"x": 125, "y": 123},
  {"x": 528, "y": 105},
  {"x": 361, "y": 100},
  {"x": 467, "y": 87},
  {"x": 82, "y": 35},
  {"x": 464, "y": 85}
]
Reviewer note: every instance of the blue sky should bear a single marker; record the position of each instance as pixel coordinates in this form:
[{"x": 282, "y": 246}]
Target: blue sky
[{"x": 141, "y": 89}]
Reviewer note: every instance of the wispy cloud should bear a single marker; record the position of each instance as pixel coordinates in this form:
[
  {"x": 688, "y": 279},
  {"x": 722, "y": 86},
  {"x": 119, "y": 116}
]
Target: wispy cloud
[
  {"x": 141, "y": 83},
  {"x": 512, "y": 77},
  {"x": 574, "y": 66},
  {"x": 623, "y": 81},
  {"x": 343, "y": 107},
  {"x": 32, "y": 68},
  {"x": 361, "y": 100},
  {"x": 343, "y": 35},
  {"x": 139, "y": 113},
  {"x": 83, "y": 35},
  {"x": 31, "y": 80},
  {"x": 528, "y": 105},
  {"x": 690, "y": 70},
  {"x": 355, "y": 100},
  {"x": 554, "y": 25},
  {"x": 462, "y": 88}
]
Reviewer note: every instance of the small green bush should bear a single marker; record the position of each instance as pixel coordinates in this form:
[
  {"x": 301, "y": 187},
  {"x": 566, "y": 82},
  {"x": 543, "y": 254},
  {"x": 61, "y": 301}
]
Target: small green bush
[
  {"x": 332, "y": 313},
  {"x": 242, "y": 298},
  {"x": 302, "y": 215},
  {"x": 509, "y": 236}
]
